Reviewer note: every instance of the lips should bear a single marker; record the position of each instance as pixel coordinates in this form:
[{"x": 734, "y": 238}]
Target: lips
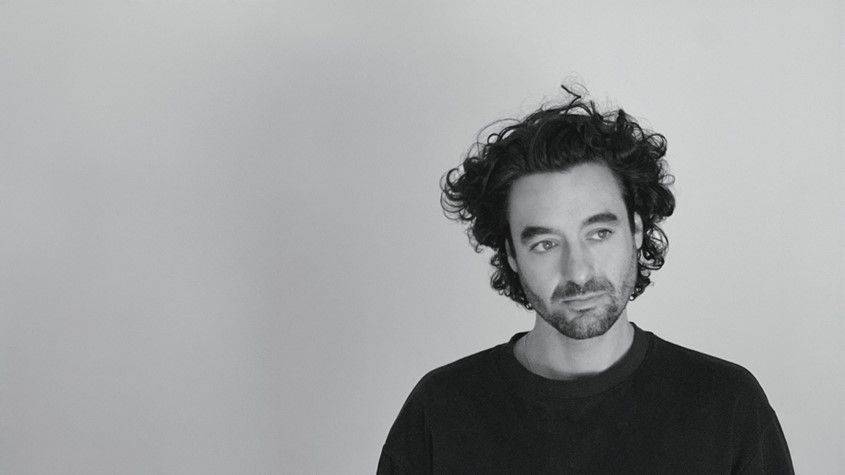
[
  {"x": 584, "y": 301},
  {"x": 583, "y": 298}
]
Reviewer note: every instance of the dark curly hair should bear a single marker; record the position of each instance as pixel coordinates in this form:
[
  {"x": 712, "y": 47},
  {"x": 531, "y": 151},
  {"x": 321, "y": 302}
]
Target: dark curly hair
[{"x": 557, "y": 138}]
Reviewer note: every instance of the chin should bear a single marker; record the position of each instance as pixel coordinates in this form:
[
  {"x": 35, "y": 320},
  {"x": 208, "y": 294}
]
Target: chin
[{"x": 584, "y": 326}]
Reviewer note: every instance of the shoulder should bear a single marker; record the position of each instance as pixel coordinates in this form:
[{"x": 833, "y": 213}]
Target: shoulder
[
  {"x": 687, "y": 368},
  {"x": 431, "y": 406},
  {"x": 466, "y": 375},
  {"x": 721, "y": 397},
  {"x": 444, "y": 391}
]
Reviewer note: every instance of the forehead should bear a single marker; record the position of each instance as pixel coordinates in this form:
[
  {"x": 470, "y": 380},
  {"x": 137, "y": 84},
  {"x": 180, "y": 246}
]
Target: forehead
[{"x": 564, "y": 199}]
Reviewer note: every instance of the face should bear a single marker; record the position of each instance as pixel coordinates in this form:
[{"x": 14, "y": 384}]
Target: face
[{"x": 575, "y": 253}]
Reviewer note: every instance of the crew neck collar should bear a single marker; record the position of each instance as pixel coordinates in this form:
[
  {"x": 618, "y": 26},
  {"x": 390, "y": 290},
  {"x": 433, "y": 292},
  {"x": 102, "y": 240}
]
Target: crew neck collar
[{"x": 530, "y": 384}]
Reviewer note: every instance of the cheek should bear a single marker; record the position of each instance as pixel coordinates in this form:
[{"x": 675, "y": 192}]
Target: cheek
[
  {"x": 539, "y": 277},
  {"x": 618, "y": 264}
]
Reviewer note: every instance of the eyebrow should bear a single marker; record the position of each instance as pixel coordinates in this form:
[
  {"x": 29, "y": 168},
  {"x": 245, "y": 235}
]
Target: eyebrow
[
  {"x": 606, "y": 217},
  {"x": 531, "y": 231}
]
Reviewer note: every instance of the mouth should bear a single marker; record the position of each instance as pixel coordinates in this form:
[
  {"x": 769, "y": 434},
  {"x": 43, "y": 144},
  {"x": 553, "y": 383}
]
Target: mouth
[
  {"x": 584, "y": 302},
  {"x": 583, "y": 298}
]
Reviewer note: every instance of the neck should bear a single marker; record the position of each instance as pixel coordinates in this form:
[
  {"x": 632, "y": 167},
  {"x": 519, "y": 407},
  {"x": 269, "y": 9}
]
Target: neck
[{"x": 548, "y": 353}]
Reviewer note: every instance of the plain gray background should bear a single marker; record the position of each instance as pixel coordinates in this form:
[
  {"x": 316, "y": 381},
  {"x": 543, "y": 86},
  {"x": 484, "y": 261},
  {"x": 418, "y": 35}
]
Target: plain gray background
[{"x": 223, "y": 251}]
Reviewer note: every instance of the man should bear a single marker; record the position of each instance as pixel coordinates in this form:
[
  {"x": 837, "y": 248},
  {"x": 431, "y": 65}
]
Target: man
[{"x": 569, "y": 199}]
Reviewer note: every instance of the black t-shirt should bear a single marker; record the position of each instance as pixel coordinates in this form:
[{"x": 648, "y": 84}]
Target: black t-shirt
[{"x": 661, "y": 408}]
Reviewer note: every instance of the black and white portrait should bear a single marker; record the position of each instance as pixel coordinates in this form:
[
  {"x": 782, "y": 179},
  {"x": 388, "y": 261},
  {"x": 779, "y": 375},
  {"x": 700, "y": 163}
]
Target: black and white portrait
[{"x": 422, "y": 237}]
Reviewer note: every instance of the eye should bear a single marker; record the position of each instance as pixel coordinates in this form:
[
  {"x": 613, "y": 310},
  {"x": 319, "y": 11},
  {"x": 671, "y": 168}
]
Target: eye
[
  {"x": 601, "y": 235},
  {"x": 543, "y": 246}
]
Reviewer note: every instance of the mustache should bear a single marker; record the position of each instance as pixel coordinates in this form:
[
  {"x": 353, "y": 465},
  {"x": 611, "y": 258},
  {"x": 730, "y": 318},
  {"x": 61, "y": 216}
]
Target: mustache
[{"x": 571, "y": 289}]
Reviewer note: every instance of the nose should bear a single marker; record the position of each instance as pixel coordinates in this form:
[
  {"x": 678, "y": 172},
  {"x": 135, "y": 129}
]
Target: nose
[{"x": 577, "y": 265}]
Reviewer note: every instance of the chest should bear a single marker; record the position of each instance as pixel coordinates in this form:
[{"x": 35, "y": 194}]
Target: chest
[{"x": 612, "y": 434}]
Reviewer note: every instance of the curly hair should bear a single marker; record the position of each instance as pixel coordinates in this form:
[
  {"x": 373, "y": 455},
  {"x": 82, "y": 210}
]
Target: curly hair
[{"x": 551, "y": 139}]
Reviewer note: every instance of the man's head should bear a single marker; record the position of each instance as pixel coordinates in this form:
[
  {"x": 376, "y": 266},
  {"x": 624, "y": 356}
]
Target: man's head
[
  {"x": 569, "y": 200},
  {"x": 573, "y": 248}
]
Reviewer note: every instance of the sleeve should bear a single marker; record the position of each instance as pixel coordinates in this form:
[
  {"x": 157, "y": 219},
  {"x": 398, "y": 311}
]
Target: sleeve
[
  {"x": 408, "y": 449},
  {"x": 771, "y": 454},
  {"x": 760, "y": 445}
]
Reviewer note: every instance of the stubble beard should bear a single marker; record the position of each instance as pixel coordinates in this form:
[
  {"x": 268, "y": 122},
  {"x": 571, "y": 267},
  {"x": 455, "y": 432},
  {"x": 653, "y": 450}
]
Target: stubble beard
[{"x": 592, "y": 322}]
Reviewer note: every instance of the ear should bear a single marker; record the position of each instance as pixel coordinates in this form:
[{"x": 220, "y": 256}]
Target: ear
[
  {"x": 510, "y": 251},
  {"x": 638, "y": 231}
]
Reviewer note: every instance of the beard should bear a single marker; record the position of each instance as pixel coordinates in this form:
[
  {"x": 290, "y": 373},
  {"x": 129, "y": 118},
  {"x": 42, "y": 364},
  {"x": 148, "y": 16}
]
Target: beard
[{"x": 590, "y": 322}]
